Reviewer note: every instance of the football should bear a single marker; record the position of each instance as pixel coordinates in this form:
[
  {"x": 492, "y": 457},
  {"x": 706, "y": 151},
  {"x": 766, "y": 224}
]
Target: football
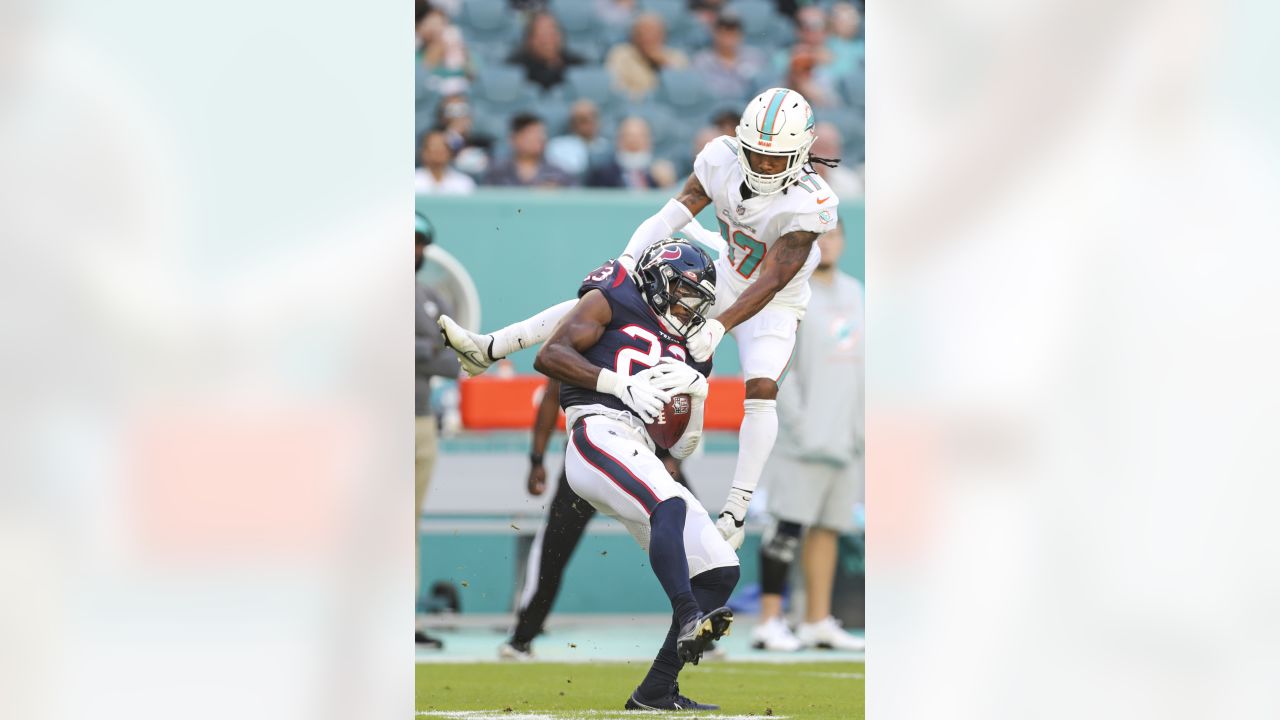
[{"x": 671, "y": 422}]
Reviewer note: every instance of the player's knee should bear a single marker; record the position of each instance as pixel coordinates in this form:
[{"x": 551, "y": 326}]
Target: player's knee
[
  {"x": 762, "y": 389},
  {"x": 669, "y": 512}
]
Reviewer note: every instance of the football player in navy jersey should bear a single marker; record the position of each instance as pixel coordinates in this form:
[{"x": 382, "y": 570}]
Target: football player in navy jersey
[{"x": 620, "y": 355}]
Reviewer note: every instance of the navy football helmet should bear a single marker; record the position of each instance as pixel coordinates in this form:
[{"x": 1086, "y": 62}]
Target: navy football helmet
[{"x": 678, "y": 280}]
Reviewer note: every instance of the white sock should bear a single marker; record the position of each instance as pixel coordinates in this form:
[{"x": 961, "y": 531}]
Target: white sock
[
  {"x": 755, "y": 442},
  {"x": 527, "y": 333}
]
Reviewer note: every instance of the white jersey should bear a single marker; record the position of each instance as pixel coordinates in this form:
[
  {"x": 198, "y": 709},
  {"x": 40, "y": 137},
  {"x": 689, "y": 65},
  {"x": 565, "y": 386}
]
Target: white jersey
[{"x": 751, "y": 227}]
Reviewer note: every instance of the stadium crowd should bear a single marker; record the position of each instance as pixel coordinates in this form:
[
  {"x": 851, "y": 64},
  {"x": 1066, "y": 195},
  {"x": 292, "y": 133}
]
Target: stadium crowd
[{"x": 622, "y": 93}]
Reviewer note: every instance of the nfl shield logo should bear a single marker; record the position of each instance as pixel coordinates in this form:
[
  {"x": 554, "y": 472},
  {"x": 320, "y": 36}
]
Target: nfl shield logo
[
  {"x": 680, "y": 404},
  {"x": 741, "y": 210}
]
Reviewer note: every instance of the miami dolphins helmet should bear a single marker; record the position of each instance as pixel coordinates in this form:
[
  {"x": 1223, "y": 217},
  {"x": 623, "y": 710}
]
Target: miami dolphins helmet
[{"x": 778, "y": 122}]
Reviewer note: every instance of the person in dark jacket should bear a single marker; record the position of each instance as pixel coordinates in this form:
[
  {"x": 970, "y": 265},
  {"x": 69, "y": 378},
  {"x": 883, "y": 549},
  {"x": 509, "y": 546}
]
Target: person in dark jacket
[{"x": 543, "y": 54}]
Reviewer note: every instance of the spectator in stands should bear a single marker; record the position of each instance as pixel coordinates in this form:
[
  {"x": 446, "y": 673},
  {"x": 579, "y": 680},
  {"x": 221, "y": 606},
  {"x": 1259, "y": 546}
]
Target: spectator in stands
[
  {"x": 846, "y": 26},
  {"x": 844, "y": 181},
  {"x": 635, "y": 65},
  {"x": 726, "y": 121},
  {"x": 471, "y": 150},
  {"x": 616, "y": 13},
  {"x": 704, "y": 135},
  {"x": 575, "y": 152},
  {"x": 543, "y": 54},
  {"x": 805, "y": 77},
  {"x": 527, "y": 166},
  {"x": 833, "y": 56},
  {"x": 443, "y": 53},
  {"x": 632, "y": 165},
  {"x": 730, "y": 69},
  {"x": 437, "y": 176}
]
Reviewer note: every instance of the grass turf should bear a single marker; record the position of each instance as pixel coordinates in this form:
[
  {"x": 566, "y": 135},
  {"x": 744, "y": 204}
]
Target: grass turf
[{"x": 804, "y": 691}]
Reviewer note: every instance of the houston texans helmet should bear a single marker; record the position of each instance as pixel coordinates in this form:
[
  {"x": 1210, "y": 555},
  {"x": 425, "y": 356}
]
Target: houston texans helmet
[{"x": 678, "y": 280}]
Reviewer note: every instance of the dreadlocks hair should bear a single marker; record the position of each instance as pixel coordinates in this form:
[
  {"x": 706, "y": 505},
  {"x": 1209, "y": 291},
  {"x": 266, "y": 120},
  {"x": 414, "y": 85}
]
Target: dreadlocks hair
[{"x": 829, "y": 162}]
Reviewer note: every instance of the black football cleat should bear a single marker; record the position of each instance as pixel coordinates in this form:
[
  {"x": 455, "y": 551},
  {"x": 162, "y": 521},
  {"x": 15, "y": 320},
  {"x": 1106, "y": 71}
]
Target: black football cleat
[
  {"x": 672, "y": 702},
  {"x": 698, "y": 634}
]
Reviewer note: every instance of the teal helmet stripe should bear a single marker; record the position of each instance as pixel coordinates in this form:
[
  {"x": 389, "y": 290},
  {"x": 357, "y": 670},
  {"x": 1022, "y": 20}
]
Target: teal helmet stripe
[
  {"x": 771, "y": 116},
  {"x": 810, "y": 125}
]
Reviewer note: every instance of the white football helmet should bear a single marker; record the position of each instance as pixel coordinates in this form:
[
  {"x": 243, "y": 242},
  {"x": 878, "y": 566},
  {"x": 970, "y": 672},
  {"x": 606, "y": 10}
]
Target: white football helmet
[{"x": 776, "y": 122}]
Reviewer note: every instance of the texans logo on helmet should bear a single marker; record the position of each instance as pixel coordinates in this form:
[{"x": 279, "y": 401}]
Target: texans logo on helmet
[{"x": 671, "y": 253}]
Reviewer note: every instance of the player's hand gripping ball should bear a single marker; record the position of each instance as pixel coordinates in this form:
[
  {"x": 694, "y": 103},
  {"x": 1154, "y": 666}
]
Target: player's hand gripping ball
[{"x": 671, "y": 421}]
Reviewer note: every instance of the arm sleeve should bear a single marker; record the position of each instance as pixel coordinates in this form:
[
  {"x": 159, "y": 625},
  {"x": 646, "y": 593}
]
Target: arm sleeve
[{"x": 670, "y": 219}]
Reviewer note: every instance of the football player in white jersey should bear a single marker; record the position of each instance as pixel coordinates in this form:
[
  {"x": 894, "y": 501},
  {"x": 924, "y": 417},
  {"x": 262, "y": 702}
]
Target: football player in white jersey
[{"x": 770, "y": 207}]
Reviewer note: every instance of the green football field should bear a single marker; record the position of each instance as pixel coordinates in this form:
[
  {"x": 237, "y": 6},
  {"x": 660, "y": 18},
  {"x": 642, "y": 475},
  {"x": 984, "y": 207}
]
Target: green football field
[{"x": 549, "y": 691}]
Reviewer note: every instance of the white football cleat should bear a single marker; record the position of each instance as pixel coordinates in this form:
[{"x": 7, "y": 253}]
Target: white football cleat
[
  {"x": 773, "y": 635},
  {"x": 519, "y": 652},
  {"x": 472, "y": 348},
  {"x": 827, "y": 634}
]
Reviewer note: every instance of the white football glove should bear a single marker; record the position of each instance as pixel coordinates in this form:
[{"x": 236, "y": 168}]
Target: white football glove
[
  {"x": 733, "y": 516},
  {"x": 731, "y": 530},
  {"x": 678, "y": 378},
  {"x": 704, "y": 342},
  {"x": 627, "y": 262},
  {"x": 635, "y": 391}
]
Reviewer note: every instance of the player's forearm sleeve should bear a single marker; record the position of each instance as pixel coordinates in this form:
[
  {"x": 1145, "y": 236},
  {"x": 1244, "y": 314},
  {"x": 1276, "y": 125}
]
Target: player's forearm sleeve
[
  {"x": 673, "y": 216},
  {"x": 688, "y": 442}
]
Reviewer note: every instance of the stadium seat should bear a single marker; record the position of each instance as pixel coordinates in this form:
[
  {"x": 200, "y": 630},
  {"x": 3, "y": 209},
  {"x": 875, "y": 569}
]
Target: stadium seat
[
  {"x": 578, "y": 19},
  {"x": 674, "y": 13},
  {"x": 488, "y": 20},
  {"x": 690, "y": 36},
  {"x": 554, "y": 113},
  {"x": 852, "y": 125},
  {"x": 491, "y": 123},
  {"x": 762, "y": 26},
  {"x": 591, "y": 49},
  {"x": 503, "y": 89},
  {"x": 594, "y": 84},
  {"x": 684, "y": 91},
  {"x": 490, "y": 52},
  {"x": 853, "y": 88}
]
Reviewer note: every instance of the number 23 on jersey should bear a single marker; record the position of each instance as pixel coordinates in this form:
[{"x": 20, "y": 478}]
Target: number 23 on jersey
[{"x": 645, "y": 358}]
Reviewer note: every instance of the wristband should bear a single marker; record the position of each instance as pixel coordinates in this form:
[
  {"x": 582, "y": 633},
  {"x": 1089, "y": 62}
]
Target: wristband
[
  {"x": 607, "y": 382},
  {"x": 535, "y": 458}
]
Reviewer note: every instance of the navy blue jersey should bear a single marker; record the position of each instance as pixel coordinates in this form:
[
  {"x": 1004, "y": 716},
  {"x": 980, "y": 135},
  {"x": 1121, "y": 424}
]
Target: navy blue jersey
[{"x": 633, "y": 341}]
